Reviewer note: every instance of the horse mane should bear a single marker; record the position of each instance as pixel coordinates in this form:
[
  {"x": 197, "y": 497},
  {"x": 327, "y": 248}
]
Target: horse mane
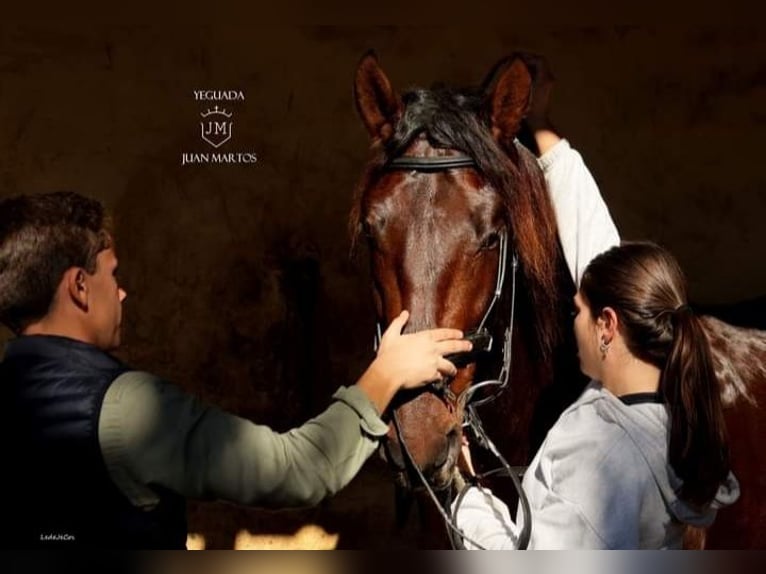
[{"x": 456, "y": 119}]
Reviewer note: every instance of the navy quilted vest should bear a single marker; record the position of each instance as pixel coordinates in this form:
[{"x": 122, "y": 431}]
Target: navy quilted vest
[{"x": 56, "y": 487}]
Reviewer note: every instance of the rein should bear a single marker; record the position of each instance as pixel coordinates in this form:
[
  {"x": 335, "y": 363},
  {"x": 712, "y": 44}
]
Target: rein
[{"x": 482, "y": 343}]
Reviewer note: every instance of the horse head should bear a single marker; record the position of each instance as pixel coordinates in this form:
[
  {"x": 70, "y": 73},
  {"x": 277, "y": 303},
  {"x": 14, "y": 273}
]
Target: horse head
[{"x": 448, "y": 184}]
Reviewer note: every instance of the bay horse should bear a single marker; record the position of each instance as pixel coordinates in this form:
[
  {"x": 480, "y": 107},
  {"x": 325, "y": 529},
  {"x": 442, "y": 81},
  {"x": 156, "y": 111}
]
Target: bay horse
[{"x": 447, "y": 187}]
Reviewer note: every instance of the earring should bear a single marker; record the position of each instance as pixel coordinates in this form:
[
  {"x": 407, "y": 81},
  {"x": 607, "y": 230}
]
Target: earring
[{"x": 604, "y": 348}]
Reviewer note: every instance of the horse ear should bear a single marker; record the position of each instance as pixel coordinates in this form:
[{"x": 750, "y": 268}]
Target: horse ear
[
  {"x": 378, "y": 104},
  {"x": 507, "y": 90}
]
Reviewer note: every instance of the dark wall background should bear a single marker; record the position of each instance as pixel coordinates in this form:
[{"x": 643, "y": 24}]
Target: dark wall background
[{"x": 241, "y": 288}]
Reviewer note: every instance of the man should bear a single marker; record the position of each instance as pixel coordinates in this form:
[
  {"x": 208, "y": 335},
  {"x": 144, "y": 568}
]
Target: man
[{"x": 98, "y": 454}]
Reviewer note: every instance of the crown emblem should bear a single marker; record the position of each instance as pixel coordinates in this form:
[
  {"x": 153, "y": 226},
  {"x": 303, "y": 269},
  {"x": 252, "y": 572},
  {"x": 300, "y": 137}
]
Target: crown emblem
[{"x": 217, "y": 111}]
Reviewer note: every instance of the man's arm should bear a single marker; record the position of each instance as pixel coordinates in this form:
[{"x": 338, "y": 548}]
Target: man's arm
[{"x": 151, "y": 432}]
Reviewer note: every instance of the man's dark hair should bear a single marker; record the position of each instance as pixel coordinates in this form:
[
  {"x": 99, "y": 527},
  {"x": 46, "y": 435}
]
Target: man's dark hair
[{"x": 41, "y": 236}]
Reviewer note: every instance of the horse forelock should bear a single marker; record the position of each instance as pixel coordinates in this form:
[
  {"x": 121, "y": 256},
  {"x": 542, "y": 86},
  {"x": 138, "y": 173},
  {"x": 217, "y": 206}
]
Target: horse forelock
[
  {"x": 739, "y": 359},
  {"x": 455, "y": 119}
]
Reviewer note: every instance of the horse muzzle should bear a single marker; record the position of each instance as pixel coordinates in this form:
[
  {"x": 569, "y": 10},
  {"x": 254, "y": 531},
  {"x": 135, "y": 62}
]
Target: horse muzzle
[{"x": 438, "y": 472}]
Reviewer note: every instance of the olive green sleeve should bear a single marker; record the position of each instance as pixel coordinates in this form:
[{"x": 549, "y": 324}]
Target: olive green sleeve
[{"x": 151, "y": 432}]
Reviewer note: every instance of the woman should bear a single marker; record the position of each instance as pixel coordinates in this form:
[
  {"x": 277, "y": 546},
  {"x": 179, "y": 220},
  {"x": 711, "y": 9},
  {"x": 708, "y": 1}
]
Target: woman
[{"x": 643, "y": 451}]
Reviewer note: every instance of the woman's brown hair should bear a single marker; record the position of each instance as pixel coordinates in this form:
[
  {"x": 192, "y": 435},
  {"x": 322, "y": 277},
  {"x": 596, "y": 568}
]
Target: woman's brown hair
[{"x": 645, "y": 286}]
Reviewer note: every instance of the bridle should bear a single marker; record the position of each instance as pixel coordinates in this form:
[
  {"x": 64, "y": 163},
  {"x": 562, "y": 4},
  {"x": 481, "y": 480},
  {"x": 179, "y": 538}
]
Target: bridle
[{"x": 482, "y": 342}]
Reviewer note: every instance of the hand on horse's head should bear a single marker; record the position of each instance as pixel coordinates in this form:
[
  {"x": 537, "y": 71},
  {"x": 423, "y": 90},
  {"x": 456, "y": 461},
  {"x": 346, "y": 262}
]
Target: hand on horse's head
[
  {"x": 410, "y": 360},
  {"x": 537, "y": 116},
  {"x": 537, "y": 130},
  {"x": 415, "y": 359}
]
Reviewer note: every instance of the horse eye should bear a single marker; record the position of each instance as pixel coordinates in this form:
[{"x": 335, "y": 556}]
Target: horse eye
[{"x": 490, "y": 241}]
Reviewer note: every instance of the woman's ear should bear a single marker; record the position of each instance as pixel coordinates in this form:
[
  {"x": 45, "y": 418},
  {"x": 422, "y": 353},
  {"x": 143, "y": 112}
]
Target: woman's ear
[{"x": 609, "y": 321}]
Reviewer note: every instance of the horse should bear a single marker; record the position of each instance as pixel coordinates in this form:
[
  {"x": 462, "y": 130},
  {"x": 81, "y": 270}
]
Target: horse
[{"x": 461, "y": 232}]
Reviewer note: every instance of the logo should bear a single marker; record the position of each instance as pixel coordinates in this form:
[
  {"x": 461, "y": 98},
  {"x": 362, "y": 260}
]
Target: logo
[{"x": 217, "y": 129}]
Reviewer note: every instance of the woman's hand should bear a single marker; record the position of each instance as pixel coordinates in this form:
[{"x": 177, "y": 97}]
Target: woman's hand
[
  {"x": 537, "y": 122},
  {"x": 542, "y": 84},
  {"x": 464, "y": 462}
]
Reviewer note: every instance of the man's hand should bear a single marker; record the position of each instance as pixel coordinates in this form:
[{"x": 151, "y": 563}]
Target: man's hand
[
  {"x": 410, "y": 360},
  {"x": 415, "y": 359}
]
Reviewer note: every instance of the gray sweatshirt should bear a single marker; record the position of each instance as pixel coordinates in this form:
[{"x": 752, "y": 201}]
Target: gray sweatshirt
[{"x": 601, "y": 478}]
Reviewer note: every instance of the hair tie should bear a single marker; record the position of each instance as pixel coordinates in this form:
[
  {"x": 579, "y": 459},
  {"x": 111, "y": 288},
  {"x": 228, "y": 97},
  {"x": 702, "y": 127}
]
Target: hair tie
[{"x": 683, "y": 308}]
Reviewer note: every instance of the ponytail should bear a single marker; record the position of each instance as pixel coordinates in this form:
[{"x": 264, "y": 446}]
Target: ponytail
[
  {"x": 645, "y": 285},
  {"x": 698, "y": 449}
]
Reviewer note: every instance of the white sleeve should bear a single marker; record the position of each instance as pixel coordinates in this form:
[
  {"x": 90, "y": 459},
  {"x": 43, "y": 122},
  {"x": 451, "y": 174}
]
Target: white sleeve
[
  {"x": 581, "y": 496},
  {"x": 485, "y": 519},
  {"x": 557, "y": 525},
  {"x": 585, "y": 225}
]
